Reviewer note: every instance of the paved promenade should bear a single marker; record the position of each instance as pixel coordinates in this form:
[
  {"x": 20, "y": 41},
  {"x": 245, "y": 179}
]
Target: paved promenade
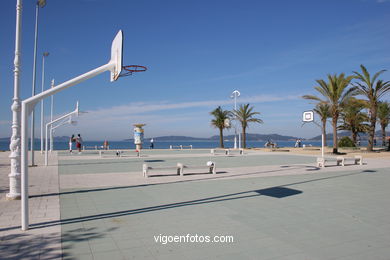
[
  {"x": 275, "y": 205},
  {"x": 40, "y": 242}
]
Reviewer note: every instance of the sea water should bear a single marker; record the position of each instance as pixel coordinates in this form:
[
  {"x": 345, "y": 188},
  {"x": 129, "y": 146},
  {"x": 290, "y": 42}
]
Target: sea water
[{"x": 4, "y": 145}]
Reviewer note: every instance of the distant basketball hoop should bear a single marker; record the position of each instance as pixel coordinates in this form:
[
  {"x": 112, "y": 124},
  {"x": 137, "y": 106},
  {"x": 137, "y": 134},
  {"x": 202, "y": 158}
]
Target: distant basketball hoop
[
  {"x": 308, "y": 116},
  {"x": 226, "y": 122},
  {"x": 130, "y": 69}
]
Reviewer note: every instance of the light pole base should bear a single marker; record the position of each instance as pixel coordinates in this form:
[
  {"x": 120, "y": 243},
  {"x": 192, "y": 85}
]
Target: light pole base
[{"x": 12, "y": 196}]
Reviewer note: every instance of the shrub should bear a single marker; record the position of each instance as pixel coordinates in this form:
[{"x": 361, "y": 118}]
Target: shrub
[{"x": 346, "y": 142}]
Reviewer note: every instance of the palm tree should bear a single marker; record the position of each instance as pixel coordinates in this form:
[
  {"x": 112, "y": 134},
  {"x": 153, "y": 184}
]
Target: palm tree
[
  {"x": 335, "y": 93},
  {"x": 323, "y": 110},
  {"x": 353, "y": 119},
  {"x": 245, "y": 115},
  {"x": 373, "y": 90},
  {"x": 384, "y": 118},
  {"x": 219, "y": 121}
]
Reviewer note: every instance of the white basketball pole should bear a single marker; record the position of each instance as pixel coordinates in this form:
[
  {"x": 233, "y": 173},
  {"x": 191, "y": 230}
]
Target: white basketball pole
[
  {"x": 45, "y": 54},
  {"x": 27, "y": 107},
  {"x": 75, "y": 112}
]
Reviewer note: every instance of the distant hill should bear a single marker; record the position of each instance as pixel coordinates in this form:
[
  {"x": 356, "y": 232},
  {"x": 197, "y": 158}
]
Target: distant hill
[
  {"x": 362, "y": 136},
  {"x": 259, "y": 137},
  {"x": 174, "y": 138},
  {"x": 250, "y": 137}
]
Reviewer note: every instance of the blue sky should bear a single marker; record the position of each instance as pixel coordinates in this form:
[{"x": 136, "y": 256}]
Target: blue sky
[{"x": 197, "y": 53}]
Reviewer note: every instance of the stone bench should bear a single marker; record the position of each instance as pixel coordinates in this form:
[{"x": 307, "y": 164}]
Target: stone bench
[
  {"x": 180, "y": 147},
  {"x": 117, "y": 153},
  {"x": 146, "y": 169},
  {"x": 322, "y": 161},
  {"x": 227, "y": 151},
  {"x": 179, "y": 168},
  {"x": 357, "y": 159},
  {"x": 210, "y": 167}
]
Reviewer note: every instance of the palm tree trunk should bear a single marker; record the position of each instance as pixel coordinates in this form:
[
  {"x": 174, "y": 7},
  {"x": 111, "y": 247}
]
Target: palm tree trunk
[
  {"x": 334, "y": 124},
  {"x": 324, "y": 131},
  {"x": 354, "y": 138},
  {"x": 244, "y": 137},
  {"x": 221, "y": 137},
  {"x": 383, "y": 135},
  {"x": 371, "y": 132}
]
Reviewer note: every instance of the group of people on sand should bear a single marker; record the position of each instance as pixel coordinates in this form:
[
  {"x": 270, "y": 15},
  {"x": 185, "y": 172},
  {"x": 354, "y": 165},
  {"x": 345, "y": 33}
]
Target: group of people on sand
[
  {"x": 78, "y": 140},
  {"x": 270, "y": 144},
  {"x": 298, "y": 143}
]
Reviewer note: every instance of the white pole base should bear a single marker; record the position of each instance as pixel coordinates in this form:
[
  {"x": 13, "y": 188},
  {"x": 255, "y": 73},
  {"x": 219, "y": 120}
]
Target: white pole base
[
  {"x": 13, "y": 196},
  {"x": 14, "y": 193}
]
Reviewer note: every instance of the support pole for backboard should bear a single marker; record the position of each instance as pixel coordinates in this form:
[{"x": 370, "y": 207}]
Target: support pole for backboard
[
  {"x": 74, "y": 112},
  {"x": 308, "y": 117},
  {"x": 27, "y": 106}
]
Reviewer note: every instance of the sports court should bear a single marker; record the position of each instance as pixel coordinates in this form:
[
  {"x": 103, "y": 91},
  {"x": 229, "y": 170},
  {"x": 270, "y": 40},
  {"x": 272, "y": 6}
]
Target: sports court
[
  {"x": 264, "y": 205},
  {"x": 274, "y": 205}
]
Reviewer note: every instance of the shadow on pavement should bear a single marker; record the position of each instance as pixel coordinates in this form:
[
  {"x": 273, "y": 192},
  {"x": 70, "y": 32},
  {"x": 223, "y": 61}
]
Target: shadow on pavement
[
  {"x": 47, "y": 246},
  {"x": 283, "y": 168},
  {"x": 279, "y": 191}
]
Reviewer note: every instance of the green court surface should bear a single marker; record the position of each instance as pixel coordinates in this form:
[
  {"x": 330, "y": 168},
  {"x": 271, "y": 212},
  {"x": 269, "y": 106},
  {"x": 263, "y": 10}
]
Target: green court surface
[
  {"x": 133, "y": 153},
  {"x": 104, "y": 165},
  {"x": 327, "y": 215}
]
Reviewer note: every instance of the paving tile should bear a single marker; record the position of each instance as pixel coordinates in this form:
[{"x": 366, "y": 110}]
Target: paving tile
[
  {"x": 336, "y": 213},
  {"x": 107, "y": 255}
]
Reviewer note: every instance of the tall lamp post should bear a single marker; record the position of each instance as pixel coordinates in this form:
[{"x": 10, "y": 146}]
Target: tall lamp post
[
  {"x": 14, "y": 176},
  {"x": 234, "y": 95},
  {"x": 45, "y": 54},
  {"x": 51, "y": 117},
  {"x": 40, "y": 4}
]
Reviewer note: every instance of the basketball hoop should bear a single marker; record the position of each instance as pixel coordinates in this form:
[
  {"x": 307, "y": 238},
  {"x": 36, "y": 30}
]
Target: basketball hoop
[{"x": 130, "y": 69}]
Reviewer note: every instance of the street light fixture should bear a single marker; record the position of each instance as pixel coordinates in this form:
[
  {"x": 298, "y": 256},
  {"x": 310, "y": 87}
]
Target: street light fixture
[
  {"x": 45, "y": 54},
  {"x": 234, "y": 95},
  {"x": 14, "y": 176},
  {"x": 51, "y": 116},
  {"x": 40, "y": 4}
]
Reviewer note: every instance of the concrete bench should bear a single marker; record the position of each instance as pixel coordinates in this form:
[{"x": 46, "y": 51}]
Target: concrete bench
[
  {"x": 117, "y": 153},
  {"x": 180, "y": 147},
  {"x": 146, "y": 169},
  {"x": 227, "y": 151},
  {"x": 357, "y": 159},
  {"x": 235, "y": 151},
  {"x": 322, "y": 161},
  {"x": 210, "y": 167},
  {"x": 179, "y": 169},
  {"x": 219, "y": 151}
]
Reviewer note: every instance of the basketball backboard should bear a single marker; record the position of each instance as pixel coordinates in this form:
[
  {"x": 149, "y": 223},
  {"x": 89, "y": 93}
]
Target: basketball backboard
[
  {"x": 116, "y": 55},
  {"x": 226, "y": 122},
  {"x": 308, "y": 116}
]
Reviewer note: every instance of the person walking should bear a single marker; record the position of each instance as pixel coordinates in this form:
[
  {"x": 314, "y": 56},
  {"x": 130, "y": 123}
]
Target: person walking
[
  {"x": 79, "y": 142},
  {"x": 151, "y": 143},
  {"x": 105, "y": 145},
  {"x": 71, "y": 141}
]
